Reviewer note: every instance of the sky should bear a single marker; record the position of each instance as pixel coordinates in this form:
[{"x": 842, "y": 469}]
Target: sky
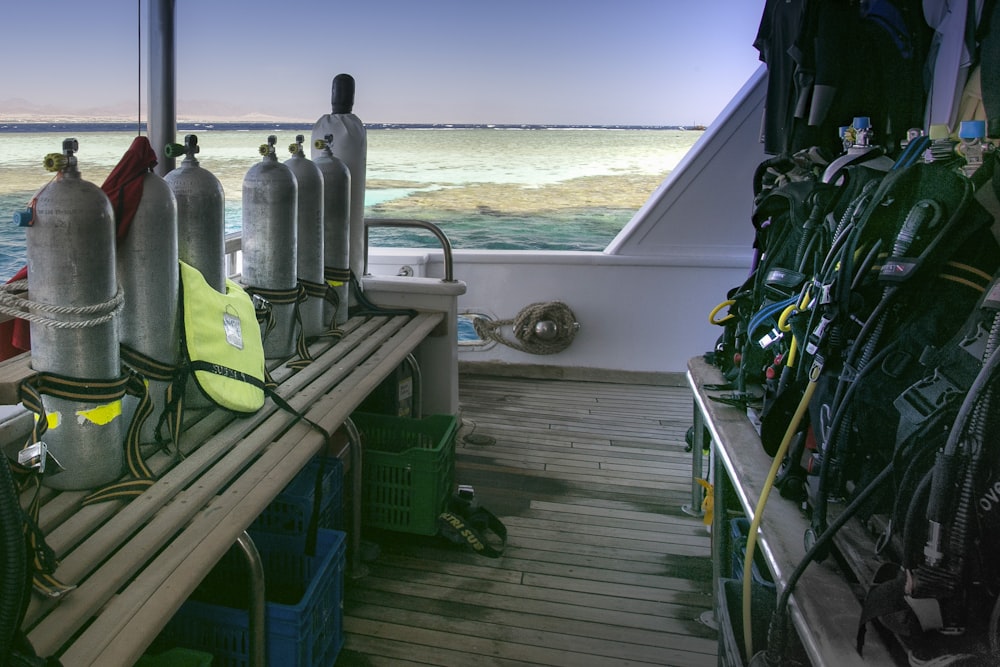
[{"x": 628, "y": 62}]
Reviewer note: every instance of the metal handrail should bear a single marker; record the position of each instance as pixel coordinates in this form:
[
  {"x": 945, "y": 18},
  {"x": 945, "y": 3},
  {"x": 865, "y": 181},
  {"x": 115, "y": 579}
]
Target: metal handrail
[{"x": 449, "y": 266}]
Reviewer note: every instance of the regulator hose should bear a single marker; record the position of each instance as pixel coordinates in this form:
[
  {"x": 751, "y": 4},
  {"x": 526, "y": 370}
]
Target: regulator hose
[
  {"x": 540, "y": 328},
  {"x": 14, "y": 574},
  {"x": 765, "y": 491}
]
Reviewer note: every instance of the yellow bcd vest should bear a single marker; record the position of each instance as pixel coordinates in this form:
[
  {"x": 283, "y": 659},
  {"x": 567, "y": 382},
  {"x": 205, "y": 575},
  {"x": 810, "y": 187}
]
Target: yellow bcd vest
[{"x": 222, "y": 342}]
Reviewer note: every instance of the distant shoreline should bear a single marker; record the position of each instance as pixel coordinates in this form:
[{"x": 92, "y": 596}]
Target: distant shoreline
[{"x": 16, "y": 126}]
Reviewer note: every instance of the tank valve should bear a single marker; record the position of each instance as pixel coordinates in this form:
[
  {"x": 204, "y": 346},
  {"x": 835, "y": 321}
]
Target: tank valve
[
  {"x": 267, "y": 150},
  {"x": 188, "y": 148},
  {"x": 296, "y": 148},
  {"x": 325, "y": 142},
  {"x": 55, "y": 162},
  {"x": 973, "y": 145},
  {"x": 24, "y": 217}
]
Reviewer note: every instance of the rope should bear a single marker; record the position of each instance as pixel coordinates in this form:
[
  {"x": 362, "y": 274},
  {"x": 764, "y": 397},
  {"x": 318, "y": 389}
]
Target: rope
[
  {"x": 16, "y": 306},
  {"x": 557, "y": 330}
]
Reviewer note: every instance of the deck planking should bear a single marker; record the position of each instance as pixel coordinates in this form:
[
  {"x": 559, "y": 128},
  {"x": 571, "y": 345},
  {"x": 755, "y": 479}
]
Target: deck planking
[{"x": 602, "y": 567}]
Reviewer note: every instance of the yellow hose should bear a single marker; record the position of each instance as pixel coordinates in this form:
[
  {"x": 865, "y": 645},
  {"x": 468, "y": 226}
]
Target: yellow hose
[
  {"x": 715, "y": 311},
  {"x": 772, "y": 474}
]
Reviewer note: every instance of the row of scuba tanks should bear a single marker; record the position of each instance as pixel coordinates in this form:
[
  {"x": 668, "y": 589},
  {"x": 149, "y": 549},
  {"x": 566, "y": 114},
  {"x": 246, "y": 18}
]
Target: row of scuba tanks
[{"x": 110, "y": 292}]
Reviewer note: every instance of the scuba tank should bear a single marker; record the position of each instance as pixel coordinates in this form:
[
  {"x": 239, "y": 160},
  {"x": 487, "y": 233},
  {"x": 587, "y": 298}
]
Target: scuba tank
[
  {"x": 310, "y": 238},
  {"x": 201, "y": 226},
  {"x": 336, "y": 229},
  {"x": 201, "y": 214},
  {"x": 350, "y": 144},
  {"x": 270, "y": 254},
  {"x": 148, "y": 270},
  {"x": 71, "y": 264}
]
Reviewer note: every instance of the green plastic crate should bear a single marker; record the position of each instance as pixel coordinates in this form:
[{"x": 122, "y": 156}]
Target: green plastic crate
[{"x": 409, "y": 470}]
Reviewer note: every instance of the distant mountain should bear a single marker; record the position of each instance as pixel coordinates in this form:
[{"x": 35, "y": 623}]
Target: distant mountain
[{"x": 18, "y": 109}]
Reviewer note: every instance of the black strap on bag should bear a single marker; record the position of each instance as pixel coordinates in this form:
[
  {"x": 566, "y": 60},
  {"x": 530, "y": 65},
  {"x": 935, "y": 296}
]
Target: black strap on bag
[{"x": 465, "y": 522}]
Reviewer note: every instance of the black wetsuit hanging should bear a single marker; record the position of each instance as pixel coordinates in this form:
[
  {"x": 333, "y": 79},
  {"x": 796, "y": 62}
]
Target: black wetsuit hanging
[
  {"x": 778, "y": 31},
  {"x": 831, "y": 61}
]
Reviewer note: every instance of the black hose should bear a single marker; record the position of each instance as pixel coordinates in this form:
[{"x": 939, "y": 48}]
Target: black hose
[
  {"x": 778, "y": 629},
  {"x": 13, "y": 562},
  {"x": 366, "y": 307}
]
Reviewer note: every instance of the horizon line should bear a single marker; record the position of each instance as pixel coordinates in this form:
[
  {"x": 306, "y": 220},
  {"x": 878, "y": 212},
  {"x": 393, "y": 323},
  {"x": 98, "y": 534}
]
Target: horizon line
[{"x": 374, "y": 125}]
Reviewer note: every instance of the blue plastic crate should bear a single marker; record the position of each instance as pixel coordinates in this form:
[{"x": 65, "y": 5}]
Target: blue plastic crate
[
  {"x": 305, "y": 594},
  {"x": 739, "y": 532},
  {"x": 291, "y": 511}
]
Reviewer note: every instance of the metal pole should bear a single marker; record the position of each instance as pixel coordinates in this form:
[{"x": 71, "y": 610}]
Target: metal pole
[
  {"x": 417, "y": 398},
  {"x": 258, "y": 634},
  {"x": 161, "y": 96},
  {"x": 358, "y": 568},
  {"x": 697, "y": 453}
]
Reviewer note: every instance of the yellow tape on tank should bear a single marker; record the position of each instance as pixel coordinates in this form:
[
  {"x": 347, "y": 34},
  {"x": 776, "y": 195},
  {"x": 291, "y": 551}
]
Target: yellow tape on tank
[{"x": 101, "y": 415}]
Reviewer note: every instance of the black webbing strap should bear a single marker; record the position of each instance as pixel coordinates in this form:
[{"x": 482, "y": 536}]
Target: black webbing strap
[
  {"x": 465, "y": 522},
  {"x": 151, "y": 369},
  {"x": 335, "y": 276},
  {"x": 310, "y": 548},
  {"x": 326, "y": 292},
  {"x": 286, "y": 297},
  {"x": 88, "y": 391},
  {"x": 141, "y": 476}
]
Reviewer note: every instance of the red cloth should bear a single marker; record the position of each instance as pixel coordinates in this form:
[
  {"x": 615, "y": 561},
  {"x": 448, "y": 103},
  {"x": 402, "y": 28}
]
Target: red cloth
[
  {"x": 123, "y": 186},
  {"x": 15, "y": 335}
]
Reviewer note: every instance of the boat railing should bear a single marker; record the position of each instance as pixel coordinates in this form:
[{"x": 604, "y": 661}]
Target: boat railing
[
  {"x": 449, "y": 265},
  {"x": 234, "y": 244}
]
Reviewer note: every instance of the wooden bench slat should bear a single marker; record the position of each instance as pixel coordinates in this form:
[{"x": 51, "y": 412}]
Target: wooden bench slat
[
  {"x": 103, "y": 547},
  {"x": 165, "y": 584},
  {"x": 244, "y": 437}
]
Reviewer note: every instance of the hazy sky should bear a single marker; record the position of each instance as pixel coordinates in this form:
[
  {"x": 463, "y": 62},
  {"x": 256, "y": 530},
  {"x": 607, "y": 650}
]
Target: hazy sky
[{"x": 457, "y": 61}]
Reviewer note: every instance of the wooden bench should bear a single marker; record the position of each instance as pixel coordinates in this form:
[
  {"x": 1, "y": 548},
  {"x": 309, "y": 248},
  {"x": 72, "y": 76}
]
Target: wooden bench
[{"x": 135, "y": 563}]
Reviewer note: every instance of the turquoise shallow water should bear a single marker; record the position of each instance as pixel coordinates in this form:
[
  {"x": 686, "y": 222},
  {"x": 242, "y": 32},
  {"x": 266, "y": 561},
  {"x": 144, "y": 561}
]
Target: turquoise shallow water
[{"x": 488, "y": 188}]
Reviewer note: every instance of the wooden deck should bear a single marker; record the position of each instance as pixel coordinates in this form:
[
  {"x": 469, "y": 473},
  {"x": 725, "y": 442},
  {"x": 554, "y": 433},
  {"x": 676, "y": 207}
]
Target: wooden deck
[{"x": 602, "y": 568}]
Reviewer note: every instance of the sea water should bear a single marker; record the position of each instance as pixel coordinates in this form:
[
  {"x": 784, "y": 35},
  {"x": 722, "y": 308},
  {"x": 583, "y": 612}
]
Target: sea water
[{"x": 487, "y": 187}]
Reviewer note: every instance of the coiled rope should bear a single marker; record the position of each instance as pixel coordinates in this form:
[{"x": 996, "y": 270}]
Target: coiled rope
[
  {"x": 540, "y": 328},
  {"x": 17, "y": 306}
]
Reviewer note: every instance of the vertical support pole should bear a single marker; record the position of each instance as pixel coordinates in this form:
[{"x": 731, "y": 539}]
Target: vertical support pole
[
  {"x": 258, "y": 634},
  {"x": 697, "y": 454},
  {"x": 358, "y": 568},
  {"x": 161, "y": 95},
  {"x": 417, "y": 411}
]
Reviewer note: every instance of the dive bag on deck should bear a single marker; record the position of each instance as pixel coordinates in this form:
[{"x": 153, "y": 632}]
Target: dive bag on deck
[{"x": 221, "y": 342}]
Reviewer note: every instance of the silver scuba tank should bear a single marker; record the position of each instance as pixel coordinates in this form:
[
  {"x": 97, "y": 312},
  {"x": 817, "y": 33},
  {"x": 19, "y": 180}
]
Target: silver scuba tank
[
  {"x": 149, "y": 275},
  {"x": 201, "y": 214},
  {"x": 336, "y": 229},
  {"x": 350, "y": 144},
  {"x": 309, "y": 267},
  {"x": 71, "y": 264},
  {"x": 270, "y": 204}
]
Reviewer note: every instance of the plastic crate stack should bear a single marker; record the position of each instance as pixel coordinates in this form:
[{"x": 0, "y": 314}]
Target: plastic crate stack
[{"x": 305, "y": 593}]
